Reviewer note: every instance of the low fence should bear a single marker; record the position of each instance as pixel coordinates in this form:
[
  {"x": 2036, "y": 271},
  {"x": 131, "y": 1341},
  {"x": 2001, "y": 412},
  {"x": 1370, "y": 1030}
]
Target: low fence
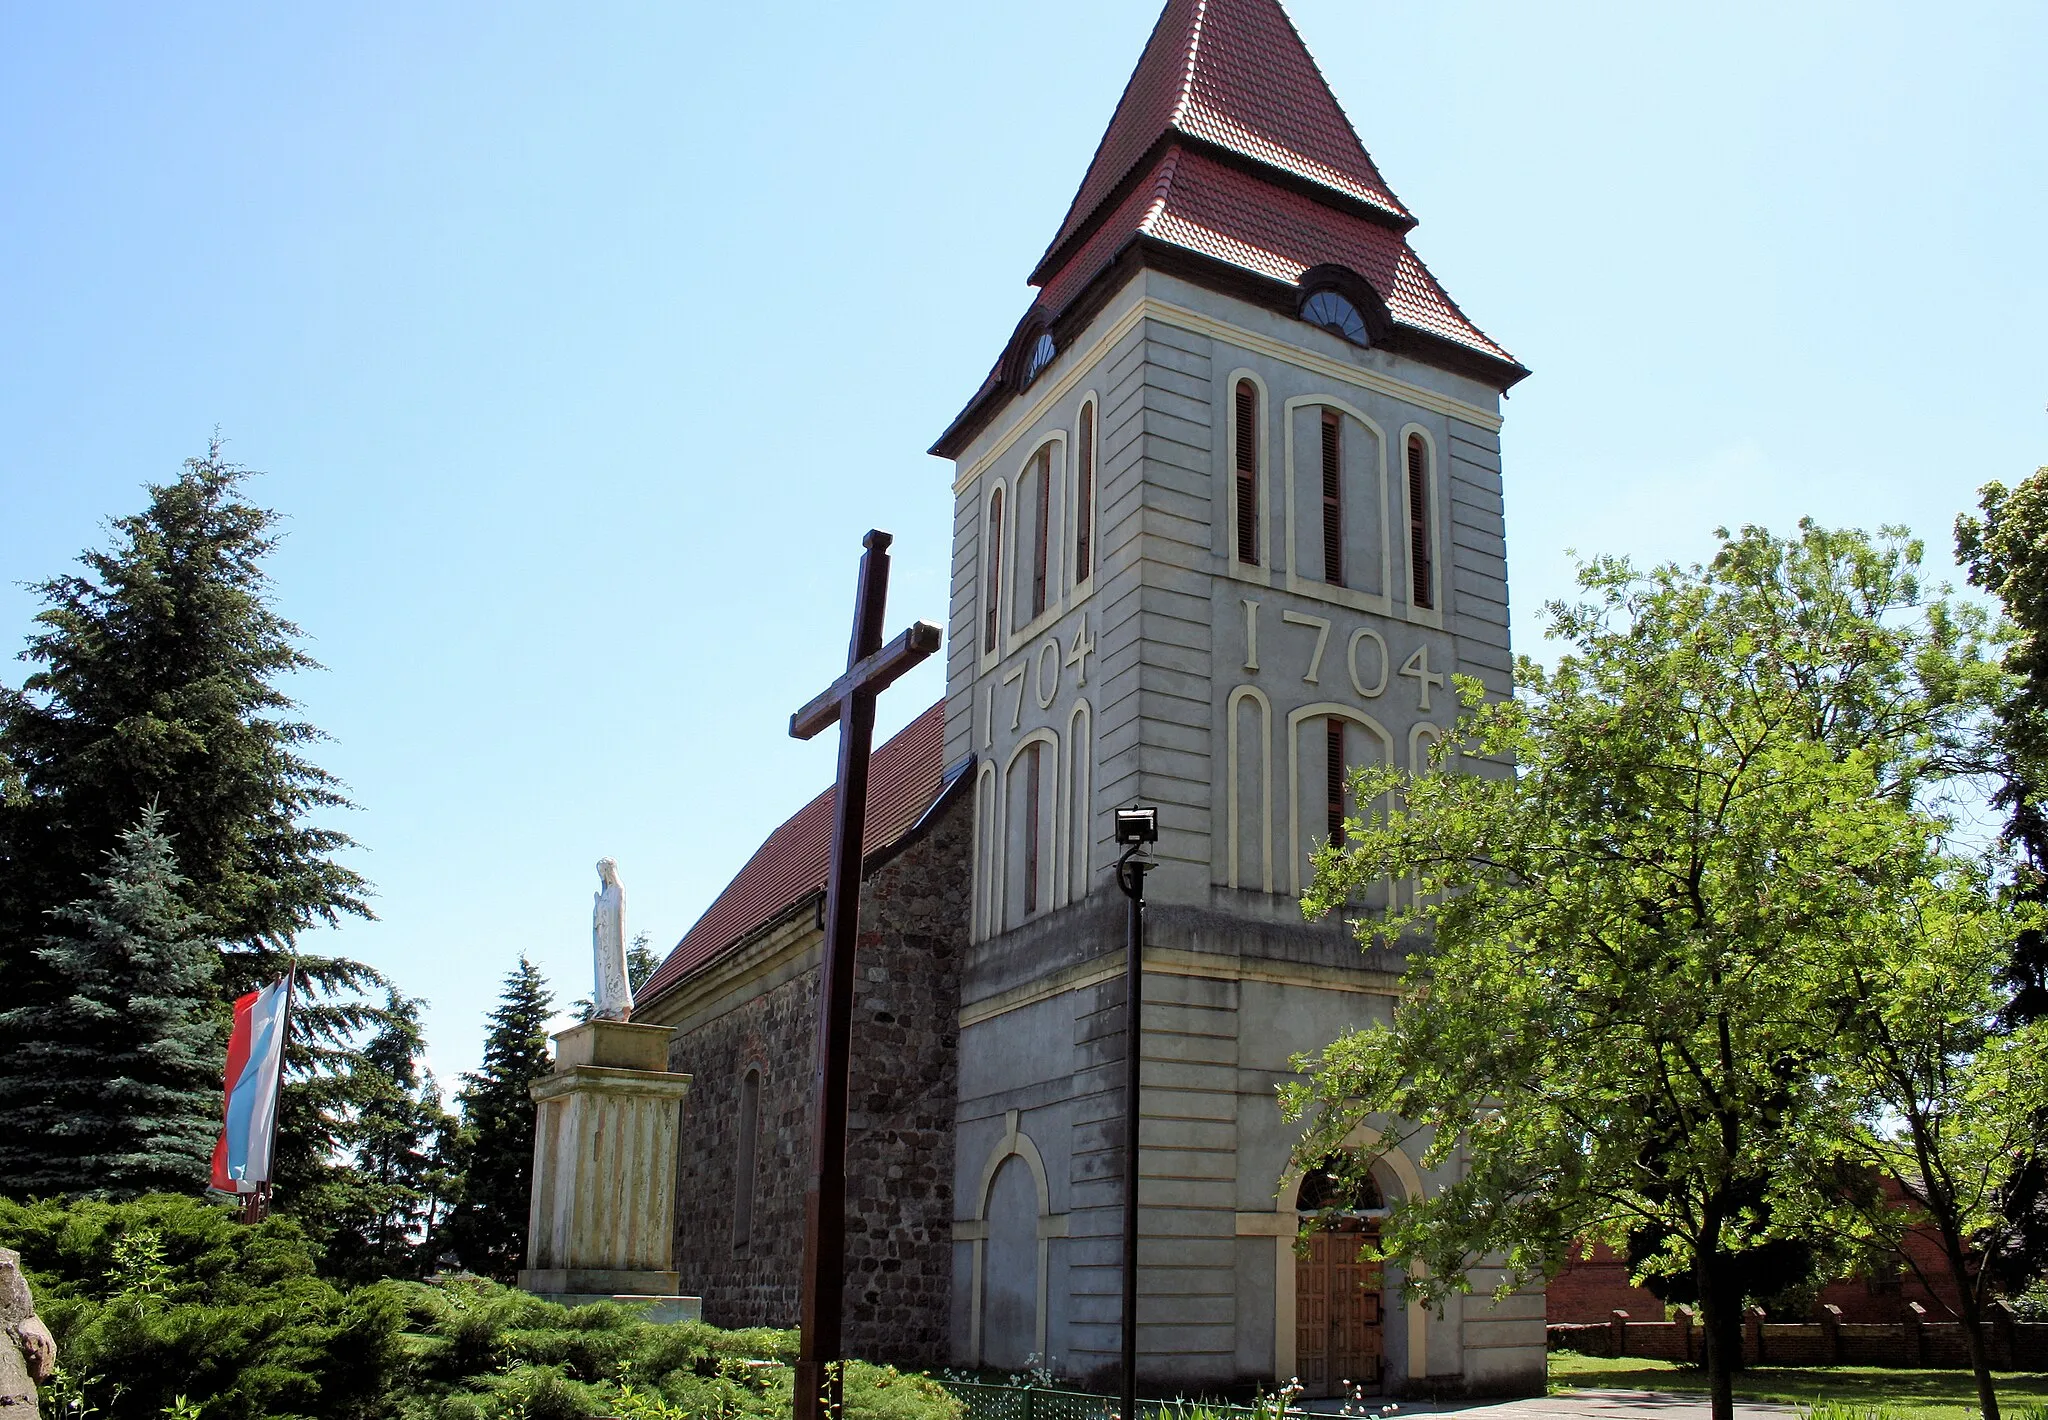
[
  {"x": 1830, "y": 1341},
  {"x": 1009, "y": 1402}
]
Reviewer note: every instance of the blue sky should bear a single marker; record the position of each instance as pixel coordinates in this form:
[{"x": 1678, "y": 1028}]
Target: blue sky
[{"x": 581, "y": 344}]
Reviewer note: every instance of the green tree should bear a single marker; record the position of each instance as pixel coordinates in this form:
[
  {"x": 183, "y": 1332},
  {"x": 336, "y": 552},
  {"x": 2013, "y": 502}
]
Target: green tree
[
  {"x": 116, "y": 1089},
  {"x": 1946, "y": 1101},
  {"x": 155, "y": 685},
  {"x": 374, "y": 1201},
  {"x": 2006, "y": 552},
  {"x": 493, "y": 1154},
  {"x": 1611, "y": 980}
]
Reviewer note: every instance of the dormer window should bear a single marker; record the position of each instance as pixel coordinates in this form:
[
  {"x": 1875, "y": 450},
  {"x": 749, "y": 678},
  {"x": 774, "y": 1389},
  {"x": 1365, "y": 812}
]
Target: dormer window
[
  {"x": 1337, "y": 315},
  {"x": 1042, "y": 351}
]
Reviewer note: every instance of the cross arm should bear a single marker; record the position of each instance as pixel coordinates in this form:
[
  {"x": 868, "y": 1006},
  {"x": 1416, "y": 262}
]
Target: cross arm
[{"x": 871, "y": 674}]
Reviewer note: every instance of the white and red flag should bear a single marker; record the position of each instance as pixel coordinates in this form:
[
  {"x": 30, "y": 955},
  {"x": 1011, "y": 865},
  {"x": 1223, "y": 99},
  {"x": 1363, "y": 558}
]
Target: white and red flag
[{"x": 241, "y": 1159}]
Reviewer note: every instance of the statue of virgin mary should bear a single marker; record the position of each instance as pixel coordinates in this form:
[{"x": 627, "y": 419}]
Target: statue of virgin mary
[{"x": 608, "y": 945}]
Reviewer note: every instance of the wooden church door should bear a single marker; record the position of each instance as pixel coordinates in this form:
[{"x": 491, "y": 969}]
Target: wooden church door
[{"x": 1337, "y": 1313}]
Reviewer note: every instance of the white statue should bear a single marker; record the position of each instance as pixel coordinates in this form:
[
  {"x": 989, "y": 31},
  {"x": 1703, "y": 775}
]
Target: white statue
[{"x": 608, "y": 945}]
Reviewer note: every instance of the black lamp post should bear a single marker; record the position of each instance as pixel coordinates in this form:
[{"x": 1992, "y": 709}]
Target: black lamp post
[{"x": 1135, "y": 829}]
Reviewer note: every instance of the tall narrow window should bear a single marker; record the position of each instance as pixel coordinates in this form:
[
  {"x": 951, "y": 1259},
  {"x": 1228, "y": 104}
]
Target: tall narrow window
[
  {"x": 992, "y": 597},
  {"x": 1084, "y": 498},
  {"x": 1418, "y": 523},
  {"x": 1041, "y": 525},
  {"x": 1333, "y": 498},
  {"x": 1031, "y": 793},
  {"x": 1247, "y": 456},
  {"x": 1333, "y": 737},
  {"x": 743, "y": 1159}
]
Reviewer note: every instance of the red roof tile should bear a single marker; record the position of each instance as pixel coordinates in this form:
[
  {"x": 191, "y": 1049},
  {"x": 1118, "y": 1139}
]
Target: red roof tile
[
  {"x": 1233, "y": 73},
  {"x": 905, "y": 778}
]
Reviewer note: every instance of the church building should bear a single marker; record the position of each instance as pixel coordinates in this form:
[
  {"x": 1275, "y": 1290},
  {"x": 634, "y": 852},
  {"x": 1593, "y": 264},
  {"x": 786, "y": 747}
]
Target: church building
[{"x": 1227, "y": 520}]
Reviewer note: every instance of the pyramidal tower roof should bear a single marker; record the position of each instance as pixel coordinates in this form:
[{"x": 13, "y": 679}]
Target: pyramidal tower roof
[
  {"x": 1229, "y": 161},
  {"x": 1233, "y": 74}
]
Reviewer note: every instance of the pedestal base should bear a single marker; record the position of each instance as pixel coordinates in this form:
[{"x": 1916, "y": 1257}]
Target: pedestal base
[{"x": 602, "y": 1226}]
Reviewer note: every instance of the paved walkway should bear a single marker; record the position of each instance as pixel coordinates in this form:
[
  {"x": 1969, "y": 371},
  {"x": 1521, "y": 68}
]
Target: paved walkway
[{"x": 1584, "y": 1404}]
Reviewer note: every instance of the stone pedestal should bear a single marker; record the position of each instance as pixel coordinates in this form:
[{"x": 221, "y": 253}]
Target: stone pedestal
[{"x": 602, "y": 1222}]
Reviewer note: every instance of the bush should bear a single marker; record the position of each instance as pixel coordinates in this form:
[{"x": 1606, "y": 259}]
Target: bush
[
  {"x": 167, "y": 1305},
  {"x": 169, "y": 1296}
]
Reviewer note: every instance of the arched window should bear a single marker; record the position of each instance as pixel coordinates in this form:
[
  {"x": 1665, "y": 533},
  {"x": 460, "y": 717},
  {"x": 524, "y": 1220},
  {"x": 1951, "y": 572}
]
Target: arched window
[
  {"x": 1419, "y": 550},
  {"x": 1041, "y": 525},
  {"x": 992, "y": 577},
  {"x": 1337, "y": 315},
  {"x": 1042, "y": 351},
  {"x": 1333, "y": 740},
  {"x": 1247, "y": 459},
  {"x": 743, "y": 1159},
  {"x": 1084, "y": 496},
  {"x": 1333, "y": 498},
  {"x": 1325, "y": 1189},
  {"x": 1032, "y": 764}
]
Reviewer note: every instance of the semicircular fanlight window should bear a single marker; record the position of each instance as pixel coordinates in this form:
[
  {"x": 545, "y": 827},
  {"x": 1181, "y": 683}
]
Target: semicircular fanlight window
[
  {"x": 1323, "y": 1189},
  {"x": 1042, "y": 351},
  {"x": 1333, "y": 313}
]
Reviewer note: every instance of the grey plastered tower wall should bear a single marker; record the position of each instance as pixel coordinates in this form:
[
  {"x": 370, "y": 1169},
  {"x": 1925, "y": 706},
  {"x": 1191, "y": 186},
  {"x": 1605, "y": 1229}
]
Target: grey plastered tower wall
[
  {"x": 1231, "y": 234},
  {"x": 1128, "y": 684}
]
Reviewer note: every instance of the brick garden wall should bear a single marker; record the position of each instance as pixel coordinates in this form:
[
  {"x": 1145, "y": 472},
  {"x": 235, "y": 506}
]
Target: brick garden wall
[
  {"x": 1915, "y": 1342},
  {"x": 900, "y": 1127}
]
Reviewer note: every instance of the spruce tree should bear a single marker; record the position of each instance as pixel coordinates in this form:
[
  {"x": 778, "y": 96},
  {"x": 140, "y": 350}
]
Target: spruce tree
[
  {"x": 381, "y": 1198},
  {"x": 115, "y": 1089},
  {"x": 155, "y": 684},
  {"x": 493, "y": 1153}
]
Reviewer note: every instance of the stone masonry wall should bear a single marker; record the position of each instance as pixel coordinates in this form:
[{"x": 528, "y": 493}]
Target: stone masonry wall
[{"x": 900, "y": 1119}]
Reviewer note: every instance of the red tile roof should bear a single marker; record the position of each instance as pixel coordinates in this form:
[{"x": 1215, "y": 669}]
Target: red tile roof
[
  {"x": 905, "y": 778},
  {"x": 1234, "y": 73},
  {"x": 1228, "y": 144},
  {"x": 1193, "y": 201}
]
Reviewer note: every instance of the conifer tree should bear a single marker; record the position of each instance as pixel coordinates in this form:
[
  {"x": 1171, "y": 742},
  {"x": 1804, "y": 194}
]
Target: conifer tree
[
  {"x": 380, "y": 1199},
  {"x": 155, "y": 684},
  {"x": 493, "y": 1153},
  {"x": 115, "y": 1088}
]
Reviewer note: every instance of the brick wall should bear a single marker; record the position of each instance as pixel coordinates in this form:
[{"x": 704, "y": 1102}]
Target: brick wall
[{"x": 900, "y": 1119}]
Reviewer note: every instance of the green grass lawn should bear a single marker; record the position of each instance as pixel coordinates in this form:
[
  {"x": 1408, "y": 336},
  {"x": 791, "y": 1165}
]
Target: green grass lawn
[{"x": 1920, "y": 1395}]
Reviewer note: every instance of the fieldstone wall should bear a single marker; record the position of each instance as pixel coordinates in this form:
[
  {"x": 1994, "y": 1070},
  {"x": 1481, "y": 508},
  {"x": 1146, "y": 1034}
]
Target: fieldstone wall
[{"x": 900, "y": 1119}]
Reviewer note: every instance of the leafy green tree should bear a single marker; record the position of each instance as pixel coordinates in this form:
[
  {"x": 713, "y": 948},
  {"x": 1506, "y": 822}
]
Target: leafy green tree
[
  {"x": 493, "y": 1152},
  {"x": 1945, "y": 1100},
  {"x": 116, "y": 1089},
  {"x": 1611, "y": 977},
  {"x": 2006, "y": 552},
  {"x": 155, "y": 685}
]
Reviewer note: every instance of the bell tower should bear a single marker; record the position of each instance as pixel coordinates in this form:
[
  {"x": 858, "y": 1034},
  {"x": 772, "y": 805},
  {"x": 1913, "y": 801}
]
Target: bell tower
[{"x": 1227, "y": 520}]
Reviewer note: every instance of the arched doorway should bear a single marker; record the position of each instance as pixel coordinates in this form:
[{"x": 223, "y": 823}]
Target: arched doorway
[{"x": 1338, "y": 1310}]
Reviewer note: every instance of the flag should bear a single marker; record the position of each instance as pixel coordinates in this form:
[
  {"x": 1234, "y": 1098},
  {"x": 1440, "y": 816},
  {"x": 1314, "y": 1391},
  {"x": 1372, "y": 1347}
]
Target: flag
[{"x": 241, "y": 1159}]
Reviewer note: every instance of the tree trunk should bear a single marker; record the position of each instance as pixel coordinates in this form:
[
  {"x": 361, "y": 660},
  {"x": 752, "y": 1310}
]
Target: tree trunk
[
  {"x": 1721, "y": 1322},
  {"x": 1969, "y": 1312}
]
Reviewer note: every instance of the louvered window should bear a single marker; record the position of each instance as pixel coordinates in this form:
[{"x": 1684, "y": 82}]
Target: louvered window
[
  {"x": 1247, "y": 456},
  {"x": 992, "y": 595},
  {"x": 1333, "y": 737},
  {"x": 1031, "y": 794},
  {"x": 1333, "y": 498},
  {"x": 1419, "y": 550},
  {"x": 1084, "y": 498},
  {"x": 1041, "y": 525}
]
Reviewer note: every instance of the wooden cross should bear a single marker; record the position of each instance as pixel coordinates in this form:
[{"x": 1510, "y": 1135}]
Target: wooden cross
[{"x": 850, "y": 701}]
